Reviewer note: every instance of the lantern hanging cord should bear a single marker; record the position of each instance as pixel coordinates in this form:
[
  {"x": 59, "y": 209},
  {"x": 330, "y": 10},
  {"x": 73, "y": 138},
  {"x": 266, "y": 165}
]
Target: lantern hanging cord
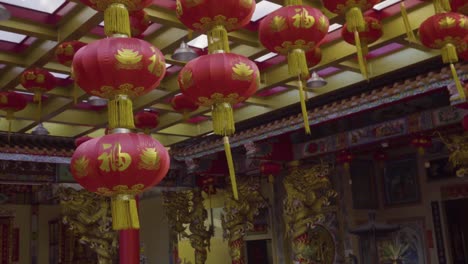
[
  {"x": 116, "y": 20},
  {"x": 449, "y": 55},
  {"x": 305, "y": 115},
  {"x": 292, "y": 2},
  {"x": 230, "y": 163},
  {"x": 218, "y": 39},
  {"x": 124, "y": 212},
  {"x": 442, "y": 6},
  {"x": 38, "y": 99},
  {"x": 409, "y": 32},
  {"x": 120, "y": 112}
]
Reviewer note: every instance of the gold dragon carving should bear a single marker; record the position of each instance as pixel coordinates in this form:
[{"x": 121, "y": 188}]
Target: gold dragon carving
[
  {"x": 185, "y": 210},
  {"x": 89, "y": 217},
  {"x": 458, "y": 148},
  {"x": 308, "y": 191},
  {"x": 239, "y": 215}
]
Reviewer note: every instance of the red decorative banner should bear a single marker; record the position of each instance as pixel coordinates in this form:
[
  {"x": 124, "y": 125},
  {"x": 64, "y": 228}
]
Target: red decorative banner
[{"x": 454, "y": 191}]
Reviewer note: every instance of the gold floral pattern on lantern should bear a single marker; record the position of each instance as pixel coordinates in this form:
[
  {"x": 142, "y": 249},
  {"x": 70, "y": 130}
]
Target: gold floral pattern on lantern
[
  {"x": 323, "y": 24},
  {"x": 298, "y": 44},
  {"x": 186, "y": 80},
  {"x": 149, "y": 159},
  {"x": 127, "y": 88},
  {"x": 81, "y": 167},
  {"x": 157, "y": 66},
  {"x": 128, "y": 59},
  {"x": 218, "y": 98},
  {"x": 207, "y": 23},
  {"x": 460, "y": 43},
  {"x": 447, "y": 22},
  {"x": 121, "y": 189},
  {"x": 246, "y": 3},
  {"x": 242, "y": 72},
  {"x": 278, "y": 24}
]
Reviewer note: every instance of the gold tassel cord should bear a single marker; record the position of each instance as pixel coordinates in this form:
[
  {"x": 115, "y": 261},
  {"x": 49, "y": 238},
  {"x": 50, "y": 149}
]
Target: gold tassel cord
[
  {"x": 442, "y": 6},
  {"x": 218, "y": 39},
  {"x": 292, "y": 2},
  {"x": 230, "y": 162},
  {"x": 409, "y": 32},
  {"x": 449, "y": 55},
  {"x": 223, "y": 119},
  {"x": 124, "y": 212},
  {"x": 355, "y": 20},
  {"x": 116, "y": 20},
  {"x": 9, "y": 130},
  {"x": 120, "y": 111},
  {"x": 305, "y": 115},
  {"x": 297, "y": 63},
  {"x": 361, "y": 59}
]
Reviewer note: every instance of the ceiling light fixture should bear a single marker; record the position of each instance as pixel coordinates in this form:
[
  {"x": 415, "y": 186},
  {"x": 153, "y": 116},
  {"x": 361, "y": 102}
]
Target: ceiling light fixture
[
  {"x": 40, "y": 130},
  {"x": 184, "y": 53},
  {"x": 315, "y": 81}
]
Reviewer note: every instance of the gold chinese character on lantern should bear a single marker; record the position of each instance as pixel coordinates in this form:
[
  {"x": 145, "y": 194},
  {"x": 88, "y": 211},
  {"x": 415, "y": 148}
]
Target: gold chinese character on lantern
[
  {"x": 303, "y": 19},
  {"x": 114, "y": 159}
]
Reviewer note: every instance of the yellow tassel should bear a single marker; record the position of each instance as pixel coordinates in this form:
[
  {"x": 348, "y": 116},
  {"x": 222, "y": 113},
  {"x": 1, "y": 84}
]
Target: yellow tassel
[
  {"x": 355, "y": 20},
  {"x": 460, "y": 89},
  {"x": 223, "y": 119},
  {"x": 444, "y": 5},
  {"x": 185, "y": 115},
  {"x": 297, "y": 63},
  {"x": 9, "y": 130},
  {"x": 232, "y": 173},
  {"x": 305, "y": 115},
  {"x": 116, "y": 20},
  {"x": 120, "y": 111},
  {"x": 190, "y": 34},
  {"x": 361, "y": 59},
  {"x": 9, "y": 115},
  {"x": 147, "y": 131},
  {"x": 292, "y": 2},
  {"x": 218, "y": 39},
  {"x": 449, "y": 54},
  {"x": 364, "y": 49},
  {"x": 271, "y": 179},
  {"x": 409, "y": 31},
  {"x": 124, "y": 212}
]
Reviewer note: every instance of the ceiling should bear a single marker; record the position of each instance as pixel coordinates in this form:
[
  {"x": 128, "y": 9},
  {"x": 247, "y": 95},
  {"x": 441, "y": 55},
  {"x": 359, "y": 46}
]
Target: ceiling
[{"x": 55, "y": 21}]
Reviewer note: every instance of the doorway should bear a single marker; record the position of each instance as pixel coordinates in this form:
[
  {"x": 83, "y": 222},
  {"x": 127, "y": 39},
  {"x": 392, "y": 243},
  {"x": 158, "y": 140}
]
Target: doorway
[{"x": 457, "y": 219}]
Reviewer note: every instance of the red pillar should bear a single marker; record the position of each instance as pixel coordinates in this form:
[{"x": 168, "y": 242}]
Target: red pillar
[{"x": 129, "y": 244}]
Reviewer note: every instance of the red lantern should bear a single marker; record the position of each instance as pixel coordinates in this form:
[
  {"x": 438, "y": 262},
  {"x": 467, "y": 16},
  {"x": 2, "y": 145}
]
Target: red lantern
[
  {"x": 293, "y": 31},
  {"x": 11, "y": 102},
  {"x": 371, "y": 33},
  {"x": 119, "y": 69},
  {"x": 120, "y": 166},
  {"x": 81, "y": 140},
  {"x": 270, "y": 169},
  {"x": 116, "y": 17},
  {"x": 314, "y": 57},
  {"x": 345, "y": 157},
  {"x": 215, "y": 19},
  {"x": 206, "y": 183},
  {"x": 146, "y": 120},
  {"x": 421, "y": 142},
  {"x": 181, "y": 103},
  {"x": 67, "y": 50},
  {"x": 459, "y": 6},
  {"x": 220, "y": 81},
  {"x": 446, "y": 31},
  {"x": 139, "y": 23},
  {"x": 355, "y": 22},
  {"x": 38, "y": 81}
]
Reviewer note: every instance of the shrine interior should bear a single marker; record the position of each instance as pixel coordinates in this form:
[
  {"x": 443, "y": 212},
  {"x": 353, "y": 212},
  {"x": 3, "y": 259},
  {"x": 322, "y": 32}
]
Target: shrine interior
[{"x": 233, "y": 131}]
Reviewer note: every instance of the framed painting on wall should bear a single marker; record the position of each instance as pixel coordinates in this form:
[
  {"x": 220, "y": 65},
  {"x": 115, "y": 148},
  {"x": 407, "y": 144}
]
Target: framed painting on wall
[{"x": 400, "y": 182}]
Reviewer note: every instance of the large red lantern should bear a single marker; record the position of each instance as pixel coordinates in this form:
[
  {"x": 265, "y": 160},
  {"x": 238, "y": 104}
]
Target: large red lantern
[
  {"x": 119, "y": 69},
  {"x": 270, "y": 169},
  {"x": 207, "y": 184},
  {"x": 345, "y": 157},
  {"x": 447, "y": 32},
  {"x": 116, "y": 16},
  {"x": 294, "y": 31},
  {"x": 139, "y": 23},
  {"x": 220, "y": 81},
  {"x": 11, "y": 102},
  {"x": 38, "y": 81},
  {"x": 371, "y": 33},
  {"x": 421, "y": 142},
  {"x": 181, "y": 103},
  {"x": 215, "y": 19},
  {"x": 146, "y": 120},
  {"x": 67, "y": 50},
  {"x": 459, "y": 6},
  {"x": 120, "y": 166},
  {"x": 355, "y": 22},
  {"x": 314, "y": 57}
]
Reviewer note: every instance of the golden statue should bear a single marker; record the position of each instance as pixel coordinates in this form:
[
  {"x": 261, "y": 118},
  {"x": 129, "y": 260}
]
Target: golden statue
[
  {"x": 89, "y": 217},
  {"x": 186, "y": 208},
  {"x": 458, "y": 147},
  {"x": 239, "y": 215},
  {"x": 307, "y": 192}
]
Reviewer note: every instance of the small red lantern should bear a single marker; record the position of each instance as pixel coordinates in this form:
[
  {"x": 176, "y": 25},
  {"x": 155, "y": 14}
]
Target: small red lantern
[
  {"x": 355, "y": 22},
  {"x": 11, "y": 102},
  {"x": 446, "y": 31},
  {"x": 220, "y": 81},
  {"x": 270, "y": 169},
  {"x": 421, "y": 142},
  {"x": 206, "y": 183},
  {"x": 120, "y": 166},
  {"x": 119, "y": 69},
  {"x": 81, "y": 140},
  {"x": 181, "y": 103},
  {"x": 38, "y": 81},
  {"x": 345, "y": 157},
  {"x": 215, "y": 19},
  {"x": 146, "y": 120},
  {"x": 371, "y": 33},
  {"x": 314, "y": 57},
  {"x": 459, "y": 6},
  {"x": 67, "y": 50},
  {"x": 295, "y": 30},
  {"x": 116, "y": 16},
  {"x": 139, "y": 23}
]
